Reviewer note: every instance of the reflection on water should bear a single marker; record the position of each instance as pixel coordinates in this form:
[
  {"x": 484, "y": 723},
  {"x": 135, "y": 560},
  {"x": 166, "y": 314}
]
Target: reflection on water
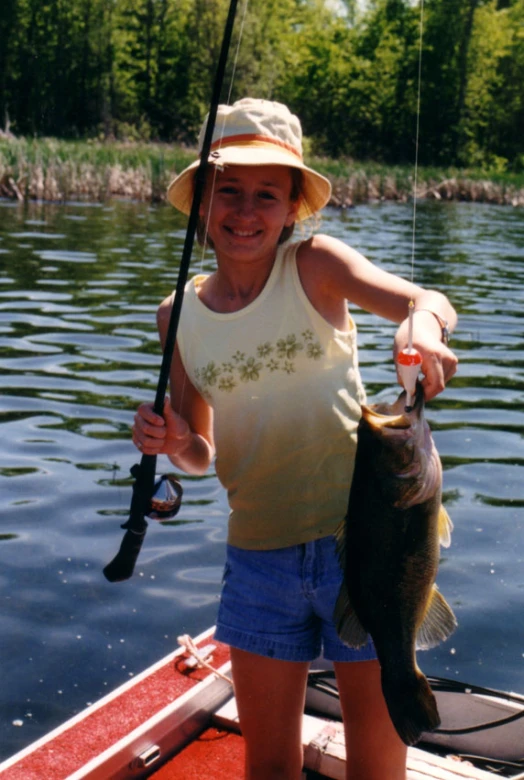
[{"x": 79, "y": 286}]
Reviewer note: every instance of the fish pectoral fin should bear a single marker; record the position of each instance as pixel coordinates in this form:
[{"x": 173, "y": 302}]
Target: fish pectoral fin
[
  {"x": 349, "y": 627},
  {"x": 445, "y": 527},
  {"x": 438, "y": 623}
]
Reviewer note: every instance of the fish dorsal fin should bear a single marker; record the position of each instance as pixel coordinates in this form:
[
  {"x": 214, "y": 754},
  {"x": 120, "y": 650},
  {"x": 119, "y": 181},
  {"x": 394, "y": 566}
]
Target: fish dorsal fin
[
  {"x": 438, "y": 622},
  {"x": 445, "y": 527},
  {"x": 349, "y": 627}
]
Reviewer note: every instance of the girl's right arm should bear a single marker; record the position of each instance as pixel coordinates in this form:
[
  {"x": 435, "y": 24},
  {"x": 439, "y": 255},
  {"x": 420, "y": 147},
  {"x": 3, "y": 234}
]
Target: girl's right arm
[{"x": 185, "y": 432}]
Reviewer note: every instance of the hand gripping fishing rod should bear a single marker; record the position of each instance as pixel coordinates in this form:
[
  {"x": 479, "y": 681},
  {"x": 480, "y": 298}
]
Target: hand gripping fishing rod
[{"x": 123, "y": 564}]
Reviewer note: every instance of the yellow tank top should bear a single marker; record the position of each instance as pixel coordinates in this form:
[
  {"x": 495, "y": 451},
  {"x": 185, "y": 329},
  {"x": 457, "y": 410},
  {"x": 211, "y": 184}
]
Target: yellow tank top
[{"x": 286, "y": 391}]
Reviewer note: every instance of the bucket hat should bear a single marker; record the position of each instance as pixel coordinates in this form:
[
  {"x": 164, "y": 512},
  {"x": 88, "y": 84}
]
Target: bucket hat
[{"x": 255, "y": 132}]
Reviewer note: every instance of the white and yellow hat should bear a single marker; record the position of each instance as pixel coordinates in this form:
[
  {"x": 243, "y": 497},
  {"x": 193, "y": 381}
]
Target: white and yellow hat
[{"x": 255, "y": 132}]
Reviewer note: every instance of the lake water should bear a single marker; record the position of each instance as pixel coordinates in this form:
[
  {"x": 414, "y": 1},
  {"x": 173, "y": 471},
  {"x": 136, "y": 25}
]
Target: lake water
[{"x": 79, "y": 286}]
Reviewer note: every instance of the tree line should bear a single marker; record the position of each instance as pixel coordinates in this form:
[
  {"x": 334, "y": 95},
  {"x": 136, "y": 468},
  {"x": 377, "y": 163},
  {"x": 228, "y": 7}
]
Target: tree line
[{"x": 144, "y": 69}]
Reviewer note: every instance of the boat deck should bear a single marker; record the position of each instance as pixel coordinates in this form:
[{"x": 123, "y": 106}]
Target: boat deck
[
  {"x": 178, "y": 721},
  {"x": 325, "y": 752},
  {"x": 218, "y": 754}
]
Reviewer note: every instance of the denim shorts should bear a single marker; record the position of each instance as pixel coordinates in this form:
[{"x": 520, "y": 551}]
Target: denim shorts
[{"x": 280, "y": 603}]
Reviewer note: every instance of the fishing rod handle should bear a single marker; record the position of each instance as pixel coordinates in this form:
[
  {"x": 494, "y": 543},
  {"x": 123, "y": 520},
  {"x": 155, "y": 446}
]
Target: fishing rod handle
[{"x": 123, "y": 564}]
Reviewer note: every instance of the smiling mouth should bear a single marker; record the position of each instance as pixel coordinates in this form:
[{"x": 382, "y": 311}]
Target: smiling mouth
[{"x": 242, "y": 233}]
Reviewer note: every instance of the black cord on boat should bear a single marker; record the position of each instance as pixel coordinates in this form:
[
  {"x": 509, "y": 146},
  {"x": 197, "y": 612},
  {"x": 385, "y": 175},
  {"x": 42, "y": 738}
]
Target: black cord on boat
[
  {"x": 455, "y": 686},
  {"x": 452, "y": 686},
  {"x": 123, "y": 564},
  {"x": 319, "y": 680},
  {"x": 492, "y": 724}
]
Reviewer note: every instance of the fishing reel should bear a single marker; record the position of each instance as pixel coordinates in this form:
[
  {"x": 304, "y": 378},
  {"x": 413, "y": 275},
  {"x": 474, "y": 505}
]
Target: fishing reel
[
  {"x": 163, "y": 504},
  {"x": 166, "y": 499}
]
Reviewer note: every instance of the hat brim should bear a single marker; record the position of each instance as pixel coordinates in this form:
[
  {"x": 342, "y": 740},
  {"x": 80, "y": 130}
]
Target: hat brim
[{"x": 316, "y": 189}]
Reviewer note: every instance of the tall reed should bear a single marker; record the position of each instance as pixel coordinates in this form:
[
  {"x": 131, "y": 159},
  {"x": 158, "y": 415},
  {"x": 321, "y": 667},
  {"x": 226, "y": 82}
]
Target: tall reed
[{"x": 58, "y": 170}]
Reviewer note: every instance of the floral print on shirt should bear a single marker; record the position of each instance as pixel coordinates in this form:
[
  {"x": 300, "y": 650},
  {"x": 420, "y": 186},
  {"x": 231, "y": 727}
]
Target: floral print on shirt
[{"x": 249, "y": 368}]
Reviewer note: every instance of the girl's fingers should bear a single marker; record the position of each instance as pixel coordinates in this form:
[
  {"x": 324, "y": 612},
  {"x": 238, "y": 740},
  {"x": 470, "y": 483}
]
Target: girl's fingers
[
  {"x": 176, "y": 425},
  {"x": 153, "y": 434},
  {"x": 145, "y": 413},
  {"x": 149, "y": 430},
  {"x": 438, "y": 370}
]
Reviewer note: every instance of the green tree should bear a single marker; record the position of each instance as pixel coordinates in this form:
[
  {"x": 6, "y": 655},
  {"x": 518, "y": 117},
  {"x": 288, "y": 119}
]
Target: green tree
[
  {"x": 447, "y": 38},
  {"x": 72, "y": 67},
  {"x": 505, "y": 131},
  {"x": 482, "y": 110},
  {"x": 8, "y": 24}
]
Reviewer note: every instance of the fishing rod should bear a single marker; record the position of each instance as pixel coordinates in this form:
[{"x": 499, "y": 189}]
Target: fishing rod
[{"x": 162, "y": 497}]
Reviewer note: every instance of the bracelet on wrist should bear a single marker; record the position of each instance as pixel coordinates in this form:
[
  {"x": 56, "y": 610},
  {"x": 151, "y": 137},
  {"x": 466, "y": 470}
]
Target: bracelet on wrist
[{"x": 444, "y": 327}]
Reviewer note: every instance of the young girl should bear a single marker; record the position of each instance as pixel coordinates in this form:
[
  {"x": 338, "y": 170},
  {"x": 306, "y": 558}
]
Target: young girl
[{"x": 265, "y": 377}]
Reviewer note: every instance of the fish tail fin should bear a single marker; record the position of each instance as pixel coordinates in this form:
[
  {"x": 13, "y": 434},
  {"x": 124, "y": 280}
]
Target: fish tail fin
[{"x": 412, "y": 706}]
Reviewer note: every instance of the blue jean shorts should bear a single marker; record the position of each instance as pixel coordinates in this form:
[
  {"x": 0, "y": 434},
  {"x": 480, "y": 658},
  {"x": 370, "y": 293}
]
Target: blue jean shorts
[{"x": 280, "y": 603}]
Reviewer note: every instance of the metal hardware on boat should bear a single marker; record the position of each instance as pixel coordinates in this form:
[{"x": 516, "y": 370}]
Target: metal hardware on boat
[
  {"x": 166, "y": 498},
  {"x": 146, "y": 759}
]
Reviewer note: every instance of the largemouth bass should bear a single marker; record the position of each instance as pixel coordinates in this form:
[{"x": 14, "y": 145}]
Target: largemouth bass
[{"x": 389, "y": 550}]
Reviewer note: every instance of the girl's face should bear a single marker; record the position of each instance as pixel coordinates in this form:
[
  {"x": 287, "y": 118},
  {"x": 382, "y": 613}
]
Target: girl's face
[{"x": 250, "y": 207}]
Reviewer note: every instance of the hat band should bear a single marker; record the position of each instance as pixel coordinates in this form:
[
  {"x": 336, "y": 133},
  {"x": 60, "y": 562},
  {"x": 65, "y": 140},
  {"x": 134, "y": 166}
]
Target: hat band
[{"x": 254, "y": 140}]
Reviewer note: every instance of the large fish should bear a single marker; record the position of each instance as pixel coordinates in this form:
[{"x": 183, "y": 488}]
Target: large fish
[{"x": 389, "y": 550}]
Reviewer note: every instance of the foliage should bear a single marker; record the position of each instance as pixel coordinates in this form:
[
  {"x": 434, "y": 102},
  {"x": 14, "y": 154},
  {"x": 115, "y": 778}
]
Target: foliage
[{"x": 142, "y": 70}]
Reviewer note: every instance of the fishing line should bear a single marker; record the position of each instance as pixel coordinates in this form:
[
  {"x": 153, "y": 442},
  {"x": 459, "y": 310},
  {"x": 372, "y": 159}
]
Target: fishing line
[
  {"x": 417, "y": 137},
  {"x": 409, "y": 360}
]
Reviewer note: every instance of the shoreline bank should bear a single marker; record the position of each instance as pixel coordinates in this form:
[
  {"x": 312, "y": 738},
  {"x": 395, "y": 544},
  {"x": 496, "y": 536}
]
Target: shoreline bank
[{"x": 58, "y": 171}]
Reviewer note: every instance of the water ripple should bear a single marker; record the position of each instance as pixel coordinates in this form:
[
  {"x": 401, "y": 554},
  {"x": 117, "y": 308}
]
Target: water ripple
[{"x": 79, "y": 351}]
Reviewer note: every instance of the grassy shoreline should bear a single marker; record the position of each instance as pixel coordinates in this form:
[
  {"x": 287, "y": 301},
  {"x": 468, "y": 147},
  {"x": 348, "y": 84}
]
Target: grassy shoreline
[{"x": 56, "y": 170}]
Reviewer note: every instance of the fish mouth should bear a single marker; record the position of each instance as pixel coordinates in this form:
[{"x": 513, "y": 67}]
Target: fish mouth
[
  {"x": 379, "y": 421},
  {"x": 397, "y": 415}
]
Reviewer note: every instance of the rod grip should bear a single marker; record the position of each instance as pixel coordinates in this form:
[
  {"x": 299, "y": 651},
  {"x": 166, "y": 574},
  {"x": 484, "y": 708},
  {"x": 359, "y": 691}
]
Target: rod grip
[{"x": 123, "y": 564}]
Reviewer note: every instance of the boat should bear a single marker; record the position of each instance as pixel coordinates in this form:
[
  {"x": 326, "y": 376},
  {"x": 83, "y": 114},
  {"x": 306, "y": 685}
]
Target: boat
[{"x": 178, "y": 719}]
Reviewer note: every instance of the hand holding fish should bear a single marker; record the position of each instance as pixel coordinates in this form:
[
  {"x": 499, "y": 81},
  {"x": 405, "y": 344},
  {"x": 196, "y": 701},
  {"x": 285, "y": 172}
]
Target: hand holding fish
[{"x": 439, "y": 363}]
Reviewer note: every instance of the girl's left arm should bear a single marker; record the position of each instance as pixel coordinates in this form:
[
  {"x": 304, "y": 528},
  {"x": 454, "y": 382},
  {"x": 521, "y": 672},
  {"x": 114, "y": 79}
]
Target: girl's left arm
[{"x": 336, "y": 272}]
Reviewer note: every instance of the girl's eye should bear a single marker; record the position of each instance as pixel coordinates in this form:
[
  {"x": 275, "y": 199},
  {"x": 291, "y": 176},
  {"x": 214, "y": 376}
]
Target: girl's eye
[
  {"x": 267, "y": 196},
  {"x": 227, "y": 189}
]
